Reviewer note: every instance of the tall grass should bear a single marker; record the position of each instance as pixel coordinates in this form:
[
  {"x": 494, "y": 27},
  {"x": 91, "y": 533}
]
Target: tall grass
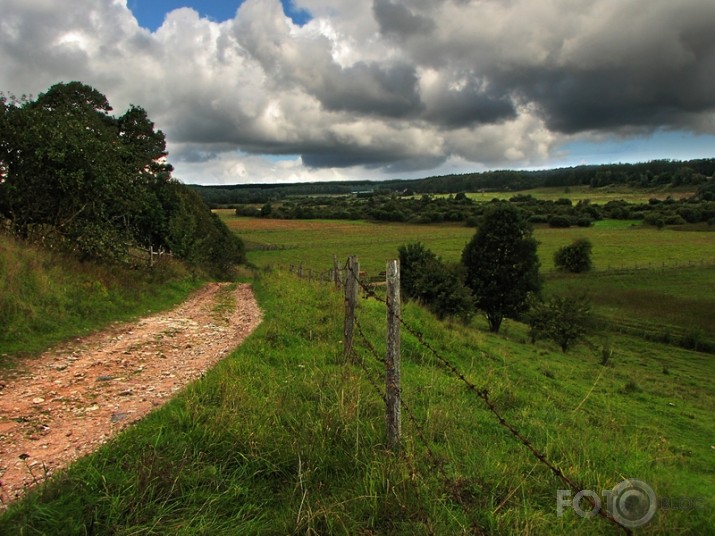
[
  {"x": 46, "y": 297},
  {"x": 284, "y": 437}
]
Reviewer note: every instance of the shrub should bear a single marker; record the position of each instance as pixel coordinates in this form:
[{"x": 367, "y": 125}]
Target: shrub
[
  {"x": 574, "y": 258},
  {"x": 564, "y": 320},
  {"x": 559, "y": 221},
  {"x": 425, "y": 278}
]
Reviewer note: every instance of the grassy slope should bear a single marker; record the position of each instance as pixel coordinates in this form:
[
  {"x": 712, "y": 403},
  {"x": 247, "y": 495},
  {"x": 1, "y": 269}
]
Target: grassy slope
[
  {"x": 283, "y": 438},
  {"x": 46, "y": 297}
]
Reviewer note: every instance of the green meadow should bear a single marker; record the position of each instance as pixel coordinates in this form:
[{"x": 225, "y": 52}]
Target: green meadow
[
  {"x": 599, "y": 196},
  {"x": 286, "y": 437},
  {"x": 617, "y": 244}
]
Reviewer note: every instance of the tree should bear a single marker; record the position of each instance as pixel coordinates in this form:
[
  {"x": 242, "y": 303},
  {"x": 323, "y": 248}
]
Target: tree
[
  {"x": 77, "y": 177},
  {"x": 574, "y": 258},
  {"x": 502, "y": 268},
  {"x": 64, "y": 172},
  {"x": 564, "y": 320}
]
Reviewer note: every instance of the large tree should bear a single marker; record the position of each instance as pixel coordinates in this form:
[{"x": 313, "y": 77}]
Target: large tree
[
  {"x": 75, "y": 176},
  {"x": 65, "y": 174},
  {"x": 501, "y": 264}
]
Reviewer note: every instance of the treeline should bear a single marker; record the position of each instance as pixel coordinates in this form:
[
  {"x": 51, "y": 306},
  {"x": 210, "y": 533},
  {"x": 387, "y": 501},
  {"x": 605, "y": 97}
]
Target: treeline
[
  {"x": 74, "y": 177},
  {"x": 460, "y": 208},
  {"x": 657, "y": 173}
]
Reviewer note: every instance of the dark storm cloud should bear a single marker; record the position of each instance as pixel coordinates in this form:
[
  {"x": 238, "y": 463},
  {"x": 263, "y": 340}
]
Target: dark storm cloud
[
  {"x": 606, "y": 65},
  {"x": 468, "y": 104},
  {"x": 387, "y": 161},
  {"x": 371, "y": 89},
  {"x": 664, "y": 80},
  {"x": 397, "y": 19}
]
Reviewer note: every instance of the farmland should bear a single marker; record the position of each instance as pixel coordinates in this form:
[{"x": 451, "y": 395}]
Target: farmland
[
  {"x": 617, "y": 244},
  {"x": 640, "y": 273}
]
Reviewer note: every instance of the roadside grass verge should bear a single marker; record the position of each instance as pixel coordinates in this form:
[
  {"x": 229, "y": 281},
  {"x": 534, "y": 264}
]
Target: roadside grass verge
[
  {"x": 46, "y": 297},
  {"x": 283, "y": 437}
]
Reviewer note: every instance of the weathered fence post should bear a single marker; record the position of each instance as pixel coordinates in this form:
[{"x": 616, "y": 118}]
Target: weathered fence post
[
  {"x": 300, "y": 270},
  {"x": 392, "y": 361},
  {"x": 351, "y": 299},
  {"x": 336, "y": 271}
]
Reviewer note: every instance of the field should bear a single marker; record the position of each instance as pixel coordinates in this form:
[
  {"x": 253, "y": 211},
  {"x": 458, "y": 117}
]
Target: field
[
  {"x": 285, "y": 437},
  {"x": 617, "y": 244},
  {"x": 642, "y": 274},
  {"x": 594, "y": 195}
]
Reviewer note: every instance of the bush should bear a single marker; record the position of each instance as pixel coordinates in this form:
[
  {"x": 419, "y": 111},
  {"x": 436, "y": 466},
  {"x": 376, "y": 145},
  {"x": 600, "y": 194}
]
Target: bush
[
  {"x": 574, "y": 258},
  {"x": 425, "y": 278},
  {"x": 559, "y": 221},
  {"x": 563, "y": 320}
]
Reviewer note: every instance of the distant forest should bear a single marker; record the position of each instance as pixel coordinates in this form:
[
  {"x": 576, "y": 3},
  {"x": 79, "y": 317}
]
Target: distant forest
[
  {"x": 657, "y": 173},
  {"x": 444, "y": 199}
]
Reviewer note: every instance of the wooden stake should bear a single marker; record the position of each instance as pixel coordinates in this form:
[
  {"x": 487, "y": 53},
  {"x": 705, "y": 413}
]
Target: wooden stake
[{"x": 392, "y": 361}]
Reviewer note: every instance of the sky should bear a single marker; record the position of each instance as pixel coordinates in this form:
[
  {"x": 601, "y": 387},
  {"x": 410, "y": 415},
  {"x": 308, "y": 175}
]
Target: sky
[{"x": 311, "y": 90}]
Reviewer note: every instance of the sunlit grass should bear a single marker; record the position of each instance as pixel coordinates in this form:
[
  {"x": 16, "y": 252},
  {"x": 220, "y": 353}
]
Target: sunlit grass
[
  {"x": 47, "y": 297},
  {"x": 285, "y": 437},
  {"x": 616, "y": 244}
]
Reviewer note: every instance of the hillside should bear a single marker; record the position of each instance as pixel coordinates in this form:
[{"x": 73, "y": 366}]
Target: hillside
[{"x": 285, "y": 437}]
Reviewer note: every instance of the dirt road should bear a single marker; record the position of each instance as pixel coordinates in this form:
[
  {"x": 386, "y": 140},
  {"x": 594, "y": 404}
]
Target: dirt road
[{"x": 75, "y": 397}]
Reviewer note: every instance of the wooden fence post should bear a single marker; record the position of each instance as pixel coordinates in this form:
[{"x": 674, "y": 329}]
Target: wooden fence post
[
  {"x": 392, "y": 361},
  {"x": 336, "y": 271},
  {"x": 351, "y": 299}
]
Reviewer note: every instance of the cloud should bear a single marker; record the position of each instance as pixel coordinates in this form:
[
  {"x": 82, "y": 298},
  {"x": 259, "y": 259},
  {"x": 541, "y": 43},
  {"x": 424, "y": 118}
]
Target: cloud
[
  {"x": 382, "y": 87},
  {"x": 397, "y": 19}
]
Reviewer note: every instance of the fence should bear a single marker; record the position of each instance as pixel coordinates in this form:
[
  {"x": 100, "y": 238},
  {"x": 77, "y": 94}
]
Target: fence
[{"x": 350, "y": 280}]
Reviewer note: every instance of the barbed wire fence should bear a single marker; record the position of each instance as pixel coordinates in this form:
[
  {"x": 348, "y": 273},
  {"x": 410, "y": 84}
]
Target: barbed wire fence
[{"x": 349, "y": 279}]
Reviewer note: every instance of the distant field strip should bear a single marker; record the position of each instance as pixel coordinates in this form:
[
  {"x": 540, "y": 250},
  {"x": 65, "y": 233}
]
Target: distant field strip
[{"x": 616, "y": 244}]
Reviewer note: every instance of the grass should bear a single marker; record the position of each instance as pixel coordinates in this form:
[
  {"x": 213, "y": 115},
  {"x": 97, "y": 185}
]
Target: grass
[
  {"x": 47, "y": 297},
  {"x": 617, "y": 244},
  {"x": 283, "y": 437},
  {"x": 313, "y": 242},
  {"x": 649, "y": 281},
  {"x": 595, "y": 195}
]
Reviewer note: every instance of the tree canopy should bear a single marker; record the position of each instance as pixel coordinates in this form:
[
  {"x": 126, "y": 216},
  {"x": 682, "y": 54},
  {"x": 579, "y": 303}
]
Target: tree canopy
[
  {"x": 501, "y": 264},
  {"x": 76, "y": 177}
]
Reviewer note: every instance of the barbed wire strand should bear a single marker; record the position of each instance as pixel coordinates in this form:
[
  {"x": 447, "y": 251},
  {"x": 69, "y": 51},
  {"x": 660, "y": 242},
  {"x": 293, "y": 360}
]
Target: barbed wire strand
[
  {"x": 483, "y": 394},
  {"x": 419, "y": 429}
]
